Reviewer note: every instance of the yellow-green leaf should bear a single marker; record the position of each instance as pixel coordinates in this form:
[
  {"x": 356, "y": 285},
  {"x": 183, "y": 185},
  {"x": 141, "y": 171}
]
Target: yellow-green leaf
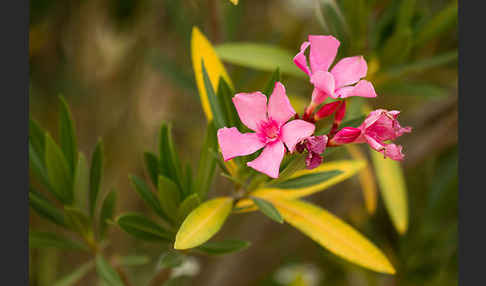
[
  {"x": 393, "y": 189},
  {"x": 203, "y": 222},
  {"x": 201, "y": 49},
  {"x": 366, "y": 179},
  {"x": 333, "y": 234},
  {"x": 235, "y": 2},
  {"x": 338, "y": 171}
]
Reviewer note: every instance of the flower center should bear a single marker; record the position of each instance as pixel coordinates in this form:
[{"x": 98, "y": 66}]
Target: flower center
[{"x": 270, "y": 129}]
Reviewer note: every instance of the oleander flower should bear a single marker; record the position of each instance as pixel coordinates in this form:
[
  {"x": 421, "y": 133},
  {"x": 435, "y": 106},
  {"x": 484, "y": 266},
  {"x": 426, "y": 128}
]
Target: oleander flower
[
  {"x": 343, "y": 80},
  {"x": 271, "y": 128},
  {"x": 315, "y": 145},
  {"x": 379, "y": 126}
]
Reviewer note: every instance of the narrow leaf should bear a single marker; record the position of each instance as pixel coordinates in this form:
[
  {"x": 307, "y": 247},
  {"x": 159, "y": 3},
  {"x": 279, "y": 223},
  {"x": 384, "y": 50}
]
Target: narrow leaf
[
  {"x": 45, "y": 209},
  {"x": 58, "y": 171},
  {"x": 186, "y": 207},
  {"x": 444, "y": 20},
  {"x": 37, "y": 165},
  {"x": 49, "y": 239},
  {"x": 169, "y": 196},
  {"x": 78, "y": 221},
  {"x": 74, "y": 277},
  {"x": 81, "y": 183},
  {"x": 271, "y": 83},
  {"x": 304, "y": 182},
  {"x": 223, "y": 247},
  {"x": 393, "y": 189},
  {"x": 147, "y": 195},
  {"x": 268, "y": 209},
  {"x": 259, "y": 56},
  {"x": 170, "y": 165},
  {"x": 143, "y": 228},
  {"x": 201, "y": 49},
  {"x": 333, "y": 234},
  {"x": 366, "y": 179},
  {"x": 96, "y": 173},
  {"x": 203, "y": 222},
  {"x": 67, "y": 134},
  {"x": 37, "y": 139},
  {"x": 421, "y": 65},
  {"x": 207, "y": 162},
  {"x": 170, "y": 259},
  {"x": 152, "y": 165},
  {"x": 109, "y": 275},
  {"x": 107, "y": 211},
  {"x": 216, "y": 108}
]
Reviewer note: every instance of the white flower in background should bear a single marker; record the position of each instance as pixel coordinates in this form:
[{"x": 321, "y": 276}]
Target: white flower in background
[
  {"x": 190, "y": 267},
  {"x": 309, "y": 274}
]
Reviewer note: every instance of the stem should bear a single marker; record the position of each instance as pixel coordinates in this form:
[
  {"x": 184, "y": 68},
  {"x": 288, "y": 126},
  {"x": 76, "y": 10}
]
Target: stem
[{"x": 215, "y": 20}]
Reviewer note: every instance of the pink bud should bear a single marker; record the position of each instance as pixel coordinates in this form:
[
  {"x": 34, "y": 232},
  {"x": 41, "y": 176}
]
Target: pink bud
[
  {"x": 345, "y": 136},
  {"x": 327, "y": 110}
]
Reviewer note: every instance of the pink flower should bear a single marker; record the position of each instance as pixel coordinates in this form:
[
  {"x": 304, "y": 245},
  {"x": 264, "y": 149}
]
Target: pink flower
[
  {"x": 271, "y": 130},
  {"x": 338, "y": 83},
  {"x": 380, "y": 126}
]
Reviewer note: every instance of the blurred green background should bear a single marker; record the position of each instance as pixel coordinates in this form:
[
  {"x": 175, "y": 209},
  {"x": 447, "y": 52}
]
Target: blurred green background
[{"x": 124, "y": 67}]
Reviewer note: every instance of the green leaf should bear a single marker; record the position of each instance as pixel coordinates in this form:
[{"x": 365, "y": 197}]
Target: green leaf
[
  {"x": 49, "y": 239},
  {"x": 397, "y": 47},
  {"x": 78, "y": 221},
  {"x": 109, "y": 275},
  {"x": 421, "y": 65},
  {"x": 58, "y": 172},
  {"x": 189, "y": 204},
  {"x": 152, "y": 165},
  {"x": 147, "y": 195},
  {"x": 40, "y": 172},
  {"x": 307, "y": 180},
  {"x": 170, "y": 259},
  {"x": 392, "y": 187},
  {"x": 133, "y": 260},
  {"x": 224, "y": 97},
  {"x": 224, "y": 247},
  {"x": 37, "y": 139},
  {"x": 412, "y": 89},
  {"x": 74, "y": 277},
  {"x": 45, "y": 209},
  {"x": 143, "y": 228},
  {"x": 169, "y": 196},
  {"x": 333, "y": 234},
  {"x": 107, "y": 210},
  {"x": 267, "y": 209},
  {"x": 271, "y": 83},
  {"x": 216, "y": 108},
  {"x": 332, "y": 20},
  {"x": 67, "y": 134},
  {"x": 442, "y": 22},
  {"x": 81, "y": 183},
  {"x": 95, "y": 175},
  {"x": 259, "y": 56},
  {"x": 203, "y": 222},
  {"x": 207, "y": 163},
  {"x": 170, "y": 165}
]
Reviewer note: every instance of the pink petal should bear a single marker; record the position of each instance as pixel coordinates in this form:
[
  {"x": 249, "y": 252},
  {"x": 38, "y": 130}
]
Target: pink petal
[
  {"x": 279, "y": 108},
  {"x": 295, "y": 131},
  {"x": 372, "y": 117},
  {"x": 349, "y": 70},
  {"x": 323, "y": 50},
  {"x": 324, "y": 81},
  {"x": 252, "y": 108},
  {"x": 364, "y": 88},
  {"x": 234, "y": 144},
  {"x": 269, "y": 160},
  {"x": 318, "y": 96},
  {"x": 300, "y": 59},
  {"x": 394, "y": 152},
  {"x": 375, "y": 145}
]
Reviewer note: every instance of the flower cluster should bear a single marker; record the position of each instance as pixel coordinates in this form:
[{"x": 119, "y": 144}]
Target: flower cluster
[{"x": 276, "y": 134}]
